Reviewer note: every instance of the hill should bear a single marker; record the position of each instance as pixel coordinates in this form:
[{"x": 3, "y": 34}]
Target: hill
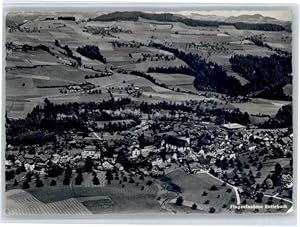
[{"x": 169, "y": 17}]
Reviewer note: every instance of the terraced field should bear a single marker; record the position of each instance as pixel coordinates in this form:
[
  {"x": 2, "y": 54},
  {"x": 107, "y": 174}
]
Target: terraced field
[{"x": 19, "y": 202}]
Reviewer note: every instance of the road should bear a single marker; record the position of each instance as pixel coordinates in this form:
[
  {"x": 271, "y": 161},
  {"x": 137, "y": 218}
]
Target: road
[
  {"x": 236, "y": 189},
  {"x": 286, "y": 200}
]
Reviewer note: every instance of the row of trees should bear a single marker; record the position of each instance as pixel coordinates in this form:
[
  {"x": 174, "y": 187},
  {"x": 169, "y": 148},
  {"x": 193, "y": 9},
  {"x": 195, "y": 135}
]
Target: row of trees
[{"x": 172, "y": 69}]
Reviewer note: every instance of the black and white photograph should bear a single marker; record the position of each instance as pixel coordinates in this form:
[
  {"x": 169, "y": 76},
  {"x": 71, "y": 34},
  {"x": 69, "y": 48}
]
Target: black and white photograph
[{"x": 148, "y": 111}]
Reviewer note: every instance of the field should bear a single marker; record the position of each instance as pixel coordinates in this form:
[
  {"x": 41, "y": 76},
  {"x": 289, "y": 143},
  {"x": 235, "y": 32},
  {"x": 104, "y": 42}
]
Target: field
[
  {"x": 52, "y": 70},
  {"x": 197, "y": 189},
  {"x": 19, "y": 202},
  {"x": 85, "y": 198}
]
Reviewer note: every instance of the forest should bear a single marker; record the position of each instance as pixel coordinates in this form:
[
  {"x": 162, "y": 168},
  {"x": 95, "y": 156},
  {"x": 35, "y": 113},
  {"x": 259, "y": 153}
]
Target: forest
[
  {"x": 208, "y": 76},
  {"x": 91, "y": 52},
  {"x": 169, "y": 17},
  {"x": 262, "y": 72}
]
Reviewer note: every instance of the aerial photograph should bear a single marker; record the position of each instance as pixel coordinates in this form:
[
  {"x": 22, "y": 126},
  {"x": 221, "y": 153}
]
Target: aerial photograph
[{"x": 149, "y": 111}]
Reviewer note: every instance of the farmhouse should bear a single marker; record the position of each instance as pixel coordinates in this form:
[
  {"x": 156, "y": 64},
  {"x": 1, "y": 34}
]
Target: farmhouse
[{"x": 233, "y": 126}]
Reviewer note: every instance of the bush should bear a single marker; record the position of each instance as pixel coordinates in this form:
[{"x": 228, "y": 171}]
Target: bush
[
  {"x": 204, "y": 193},
  {"x": 206, "y": 202}
]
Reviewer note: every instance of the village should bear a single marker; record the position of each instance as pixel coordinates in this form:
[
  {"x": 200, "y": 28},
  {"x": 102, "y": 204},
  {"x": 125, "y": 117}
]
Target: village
[{"x": 252, "y": 160}]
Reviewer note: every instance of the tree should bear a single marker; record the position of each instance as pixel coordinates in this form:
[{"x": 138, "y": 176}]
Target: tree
[
  {"x": 131, "y": 181},
  {"x": 25, "y": 185},
  {"x": 39, "y": 183},
  {"x": 259, "y": 197},
  {"x": 212, "y": 210},
  {"x": 270, "y": 201},
  {"x": 66, "y": 180},
  {"x": 16, "y": 183},
  {"x": 213, "y": 188},
  {"x": 88, "y": 165},
  {"x": 108, "y": 176},
  {"x": 278, "y": 169},
  {"x": 92, "y": 52},
  {"x": 53, "y": 183},
  {"x": 229, "y": 190},
  {"x": 96, "y": 180},
  {"x": 68, "y": 172},
  {"x": 54, "y": 170},
  {"x": 78, "y": 179},
  {"x": 18, "y": 171},
  {"x": 9, "y": 174},
  {"x": 194, "y": 206},
  {"x": 179, "y": 201}
]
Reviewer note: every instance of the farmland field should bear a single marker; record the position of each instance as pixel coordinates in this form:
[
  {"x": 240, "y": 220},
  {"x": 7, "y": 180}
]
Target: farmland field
[{"x": 193, "y": 187}]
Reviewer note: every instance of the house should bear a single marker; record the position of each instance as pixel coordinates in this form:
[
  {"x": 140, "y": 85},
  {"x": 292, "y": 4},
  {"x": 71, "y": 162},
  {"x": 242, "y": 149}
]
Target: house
[
  {"x": 136, "y": 152},
  {"x": 29, "y": 156},
  {"x": 156, "y": 172},
  {"x": 107, "y": 166},
  {"x": 21, "y": 158},
  {"x": 287, "y": 181},
  {"x": 268, "y": 183},
  {"x": 285, "y": 140},
  {"x": 42, "y": 157},
  {"x": 147, "y": 150},
  {"x": 233, "y": 126},
  {"x": 87, "y": 153},
  {"x": 119, "y": 166},
  {"x": 196, "y": 167},
  {"x": 158, "y": 161}
]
